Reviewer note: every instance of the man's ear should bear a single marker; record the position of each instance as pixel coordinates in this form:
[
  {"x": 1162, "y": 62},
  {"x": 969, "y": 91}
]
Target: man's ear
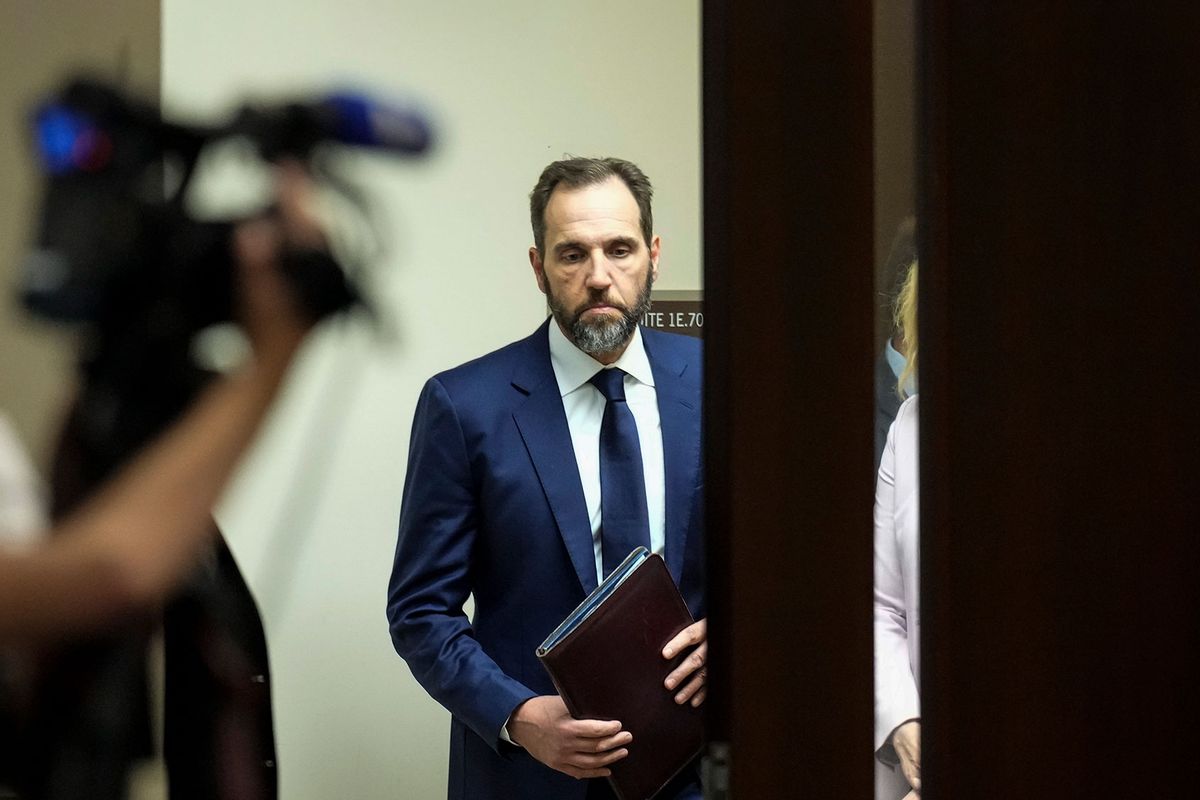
[
  {"x": 655, "y": 250},
  {"x": 539, "y": 271}
]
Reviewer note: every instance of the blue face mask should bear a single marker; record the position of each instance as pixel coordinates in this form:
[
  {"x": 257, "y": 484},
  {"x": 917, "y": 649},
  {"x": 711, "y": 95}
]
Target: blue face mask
[{"x": 897, "y": 363}]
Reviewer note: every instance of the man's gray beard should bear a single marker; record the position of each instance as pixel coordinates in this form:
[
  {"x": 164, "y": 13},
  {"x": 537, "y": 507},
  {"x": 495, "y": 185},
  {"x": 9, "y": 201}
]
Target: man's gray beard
[{"x": 604, "y": 335}]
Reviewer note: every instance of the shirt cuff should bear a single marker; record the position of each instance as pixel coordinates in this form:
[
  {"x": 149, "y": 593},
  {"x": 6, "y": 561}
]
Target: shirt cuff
[{"x": 504, "y": 736}]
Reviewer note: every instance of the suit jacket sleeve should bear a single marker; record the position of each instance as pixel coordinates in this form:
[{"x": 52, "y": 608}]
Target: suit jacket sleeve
[
  {"x": 430, "y": 582},
  {"x": 896, "y": 696}
]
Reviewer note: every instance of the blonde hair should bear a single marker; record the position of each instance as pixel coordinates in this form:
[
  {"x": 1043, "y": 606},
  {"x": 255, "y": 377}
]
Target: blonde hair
[{"x": 905, "y": 318}]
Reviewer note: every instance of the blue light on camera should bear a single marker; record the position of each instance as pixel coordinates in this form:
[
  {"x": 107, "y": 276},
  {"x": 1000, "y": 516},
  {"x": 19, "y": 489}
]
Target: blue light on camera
[{"x": 70, "y": 142}]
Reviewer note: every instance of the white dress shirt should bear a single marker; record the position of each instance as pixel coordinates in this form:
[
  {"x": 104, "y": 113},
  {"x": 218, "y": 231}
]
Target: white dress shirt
[{"x": 584, "y": 406}]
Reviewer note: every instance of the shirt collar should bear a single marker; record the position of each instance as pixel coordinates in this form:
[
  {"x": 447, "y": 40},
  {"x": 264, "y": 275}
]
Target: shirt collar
[{"x": 573, "y": 367}]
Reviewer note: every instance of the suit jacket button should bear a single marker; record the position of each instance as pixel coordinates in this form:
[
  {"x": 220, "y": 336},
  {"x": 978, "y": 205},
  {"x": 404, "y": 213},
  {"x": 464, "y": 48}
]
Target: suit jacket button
[
  {"x": 269, "y": 764},
  {"x": 258, "y": 678}
]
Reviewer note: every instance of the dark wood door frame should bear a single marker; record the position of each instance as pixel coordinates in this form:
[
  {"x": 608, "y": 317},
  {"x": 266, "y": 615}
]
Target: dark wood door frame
[
  {"x": 788, "y": 206},
  {"x": 1060, "y": 298}
]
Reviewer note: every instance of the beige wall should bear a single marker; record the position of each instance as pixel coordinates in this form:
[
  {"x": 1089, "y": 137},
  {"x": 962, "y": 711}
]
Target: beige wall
[
  {"x": 313, "y": 517},
  {"x": 40, "y": 41}
]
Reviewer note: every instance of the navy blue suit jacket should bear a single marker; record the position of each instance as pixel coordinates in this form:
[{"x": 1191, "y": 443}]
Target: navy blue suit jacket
[{"x": 493, "y": 507}]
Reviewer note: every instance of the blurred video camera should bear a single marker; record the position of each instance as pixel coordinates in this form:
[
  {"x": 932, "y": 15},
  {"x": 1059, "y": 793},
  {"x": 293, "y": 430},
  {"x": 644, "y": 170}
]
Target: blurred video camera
[
  {"x": 113, "y": 225},
  {"x": 117, "y": 249}
]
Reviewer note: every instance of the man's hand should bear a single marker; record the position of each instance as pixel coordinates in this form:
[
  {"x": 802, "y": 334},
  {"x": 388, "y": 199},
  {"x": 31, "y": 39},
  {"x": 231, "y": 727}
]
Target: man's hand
[
  {"x": 694, "y": 635},
  {"x": 582, "y": 748},
  {"x": 906, "y": 740},
  {"x": 913, "y": 795}
]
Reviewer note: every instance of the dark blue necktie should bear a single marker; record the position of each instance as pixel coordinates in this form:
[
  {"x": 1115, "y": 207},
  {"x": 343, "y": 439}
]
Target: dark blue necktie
[{"x": 624, "y": 520}]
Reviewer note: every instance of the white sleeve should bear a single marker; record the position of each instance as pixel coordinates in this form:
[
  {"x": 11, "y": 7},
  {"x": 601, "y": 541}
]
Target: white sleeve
[
  {"x": 22, "y": 503},
  {"x": 896, "y": 694}
]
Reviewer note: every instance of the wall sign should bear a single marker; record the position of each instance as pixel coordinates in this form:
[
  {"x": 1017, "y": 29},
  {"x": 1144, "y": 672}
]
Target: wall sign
[{"x": 676, "y": 311}]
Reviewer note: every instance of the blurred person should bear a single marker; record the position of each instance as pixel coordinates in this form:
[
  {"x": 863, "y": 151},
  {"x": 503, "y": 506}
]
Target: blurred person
[
  {"x": 891, "y": 361},
  {"x": 131, "y": 543},
  {"x": 897, "y": 583},
  {"x": 504, "y": 498},
  {"x": 127, "y": 547},
  {"x": 22, "y": 522}
]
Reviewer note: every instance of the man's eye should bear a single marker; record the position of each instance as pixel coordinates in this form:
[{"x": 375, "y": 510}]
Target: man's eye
[
  {"x": 572, "y": 258},
  {"x": 620, "y": 252}
]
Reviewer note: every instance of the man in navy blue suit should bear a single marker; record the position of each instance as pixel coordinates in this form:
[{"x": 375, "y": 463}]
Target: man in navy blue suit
[{"x": 524, "y": 464}]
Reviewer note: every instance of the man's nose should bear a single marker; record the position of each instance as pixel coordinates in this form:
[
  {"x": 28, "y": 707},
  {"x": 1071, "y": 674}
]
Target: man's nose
[{"x": 599, "y": 275}]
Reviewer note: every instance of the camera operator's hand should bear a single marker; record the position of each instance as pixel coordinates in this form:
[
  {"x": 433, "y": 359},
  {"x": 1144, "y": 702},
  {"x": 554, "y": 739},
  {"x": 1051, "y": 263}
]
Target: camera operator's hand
[
  {"x": 267, "y": 306},
  {"x": 127, "y": 546}
]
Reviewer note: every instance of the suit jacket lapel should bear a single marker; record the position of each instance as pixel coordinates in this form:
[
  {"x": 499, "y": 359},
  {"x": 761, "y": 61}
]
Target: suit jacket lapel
[
  {"x": 543, "y": 426},
  {"x": 680, "y": 419}
]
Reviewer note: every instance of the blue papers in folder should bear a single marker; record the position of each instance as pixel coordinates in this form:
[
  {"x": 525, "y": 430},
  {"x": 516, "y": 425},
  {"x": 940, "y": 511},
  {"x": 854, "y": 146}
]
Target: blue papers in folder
[{"x": 595, "y": 599}]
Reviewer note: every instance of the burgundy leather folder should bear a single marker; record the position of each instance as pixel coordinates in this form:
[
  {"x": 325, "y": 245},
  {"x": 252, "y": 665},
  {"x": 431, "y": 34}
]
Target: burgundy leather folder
[{"x": 606, "y": 660}]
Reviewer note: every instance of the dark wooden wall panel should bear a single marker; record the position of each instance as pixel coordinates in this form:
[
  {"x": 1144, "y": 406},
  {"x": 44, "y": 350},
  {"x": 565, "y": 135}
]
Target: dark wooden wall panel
[
  {"x": 788, "y": 277},
  {"x": 1060, "y": 301}
]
